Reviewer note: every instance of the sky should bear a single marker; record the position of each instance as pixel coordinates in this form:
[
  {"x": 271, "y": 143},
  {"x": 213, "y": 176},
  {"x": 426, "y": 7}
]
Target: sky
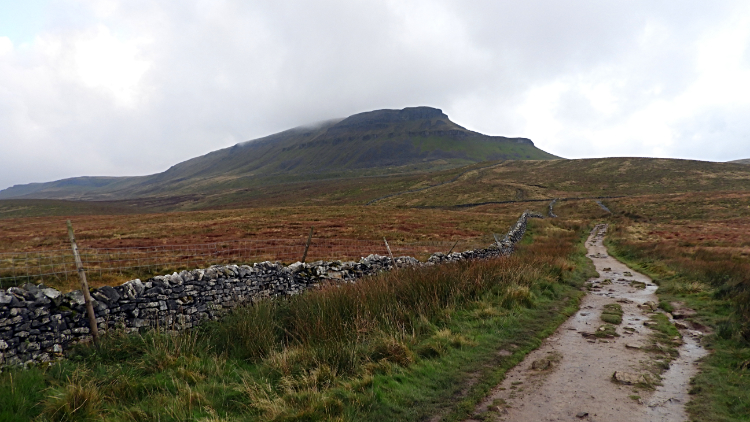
[{"x": 132, "y": 87}]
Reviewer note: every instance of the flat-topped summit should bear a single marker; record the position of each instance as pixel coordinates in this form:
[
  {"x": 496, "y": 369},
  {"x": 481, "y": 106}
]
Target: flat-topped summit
[
  {"x": 410, "y": 121},
  {"x": 379, "y": 118}
]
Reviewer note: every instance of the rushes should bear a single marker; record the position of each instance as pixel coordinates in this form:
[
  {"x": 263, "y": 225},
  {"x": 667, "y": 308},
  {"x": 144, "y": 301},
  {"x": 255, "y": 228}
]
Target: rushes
[
  {"x": 390, "y": 349},
  {"x": 251, "y": 334},
  {"x": 78, "y": 399},
  {"x": 392, "y": 303}
]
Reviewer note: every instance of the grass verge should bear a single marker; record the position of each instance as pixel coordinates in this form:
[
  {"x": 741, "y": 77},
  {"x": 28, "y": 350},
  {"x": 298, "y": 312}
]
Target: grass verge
[{"x": 717, "y": 287}]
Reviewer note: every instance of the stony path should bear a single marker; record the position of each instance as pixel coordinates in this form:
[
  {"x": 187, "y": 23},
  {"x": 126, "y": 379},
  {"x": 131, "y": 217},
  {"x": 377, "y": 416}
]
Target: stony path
[{"x": 570, "y": 376}]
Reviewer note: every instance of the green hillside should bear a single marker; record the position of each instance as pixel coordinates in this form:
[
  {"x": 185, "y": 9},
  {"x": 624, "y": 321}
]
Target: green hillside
[
  {"x": 492, "y": 181},
  {"x": 495, "y": 181},
  {"x": 379, "y": 142},
  {"x": 621, "y": 176}
]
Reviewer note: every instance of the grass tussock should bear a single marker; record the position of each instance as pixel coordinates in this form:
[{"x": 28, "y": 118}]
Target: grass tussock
[
  {"x": 78, "y": 399},
  {"x": 606, "y": 331},
  {"x": 612, "y": 313}
]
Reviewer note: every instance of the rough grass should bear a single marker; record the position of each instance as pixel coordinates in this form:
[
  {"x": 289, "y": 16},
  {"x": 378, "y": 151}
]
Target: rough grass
[
  {"x": 606, "y": 331},
  {"x": 175, "y": 228},
  {"x": 397, "y": 346},
  {"x": 486, "y": 181},
  {"x": 21, "y": 392},
  {"x": 695, "y": 247},
  {"x": 471, "y": 228},
  {"x": 518, "y": 180}
]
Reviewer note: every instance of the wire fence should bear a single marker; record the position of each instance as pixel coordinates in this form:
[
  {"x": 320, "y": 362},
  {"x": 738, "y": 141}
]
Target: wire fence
[{"x": 112, "y": 265}]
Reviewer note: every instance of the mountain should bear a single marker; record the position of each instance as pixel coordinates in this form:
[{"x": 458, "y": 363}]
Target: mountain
[
  {"x": 380, "y": 142},
  {"x": 745, "y": 161}
]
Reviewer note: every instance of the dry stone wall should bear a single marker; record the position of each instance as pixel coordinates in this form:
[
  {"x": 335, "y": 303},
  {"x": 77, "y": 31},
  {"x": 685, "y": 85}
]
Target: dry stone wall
[{"x": 37, "y": 323}]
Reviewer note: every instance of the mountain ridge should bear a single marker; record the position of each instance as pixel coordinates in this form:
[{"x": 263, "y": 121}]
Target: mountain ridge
[{"x": 375, "y": 142}]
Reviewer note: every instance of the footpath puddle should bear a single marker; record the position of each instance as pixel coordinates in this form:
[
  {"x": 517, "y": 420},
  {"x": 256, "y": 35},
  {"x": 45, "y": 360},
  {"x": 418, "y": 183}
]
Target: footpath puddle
[{"x": 582, "y": 372}]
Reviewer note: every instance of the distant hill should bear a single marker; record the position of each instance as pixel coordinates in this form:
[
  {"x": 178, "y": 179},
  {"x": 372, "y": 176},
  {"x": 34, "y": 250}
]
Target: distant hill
[
  {"x": 380, "y": 142},
  {"x": 485, "y": 182},
  {"x": 745, "y": 161},
  {"x": 617, "y": 176}
]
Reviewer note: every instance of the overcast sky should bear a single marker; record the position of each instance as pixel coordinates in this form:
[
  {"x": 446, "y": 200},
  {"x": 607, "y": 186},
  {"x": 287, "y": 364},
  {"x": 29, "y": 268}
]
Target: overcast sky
[{"x": 131, "y": 87}]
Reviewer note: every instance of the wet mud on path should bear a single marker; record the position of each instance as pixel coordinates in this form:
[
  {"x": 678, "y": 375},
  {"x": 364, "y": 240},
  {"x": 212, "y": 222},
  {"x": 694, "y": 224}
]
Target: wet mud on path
[{"x": 570, "y": 377}]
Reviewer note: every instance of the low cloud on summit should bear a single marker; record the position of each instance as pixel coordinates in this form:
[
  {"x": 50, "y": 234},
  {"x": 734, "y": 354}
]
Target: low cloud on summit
[{"x": 116, "y": 87}]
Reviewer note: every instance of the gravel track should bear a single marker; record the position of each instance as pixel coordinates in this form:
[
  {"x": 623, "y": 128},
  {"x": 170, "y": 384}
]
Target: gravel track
[{"x": 570, "y": 376}]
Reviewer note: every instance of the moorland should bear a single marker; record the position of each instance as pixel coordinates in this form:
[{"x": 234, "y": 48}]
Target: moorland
[{"x": 406, "y": 345}]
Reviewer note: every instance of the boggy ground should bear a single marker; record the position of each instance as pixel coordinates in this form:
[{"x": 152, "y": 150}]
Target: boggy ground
[{"x": 571, "y": 376}]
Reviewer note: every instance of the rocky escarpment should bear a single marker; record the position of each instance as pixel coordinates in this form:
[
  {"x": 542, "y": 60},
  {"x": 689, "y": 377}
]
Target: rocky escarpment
[{"x": 37, "y": 323}]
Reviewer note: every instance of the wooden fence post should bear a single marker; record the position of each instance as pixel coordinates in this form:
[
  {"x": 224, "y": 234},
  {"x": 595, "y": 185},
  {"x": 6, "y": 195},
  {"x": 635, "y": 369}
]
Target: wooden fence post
[
  {"x": 84, "y": 287},
  {"x": 451, "y": 250},
  {"x": 390, "y": 253},
  {"x": 307, "y": 245}
]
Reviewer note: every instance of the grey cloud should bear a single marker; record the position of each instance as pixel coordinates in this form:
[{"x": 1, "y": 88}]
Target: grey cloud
[
  {"x": 720, "y": 133},
  {"x": 225, "y": 72},
  {"x": 575, "y": 107}
]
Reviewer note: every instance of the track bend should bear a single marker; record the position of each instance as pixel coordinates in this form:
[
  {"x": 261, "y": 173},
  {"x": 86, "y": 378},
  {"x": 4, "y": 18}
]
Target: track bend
[{"x": 578, "y": 384}]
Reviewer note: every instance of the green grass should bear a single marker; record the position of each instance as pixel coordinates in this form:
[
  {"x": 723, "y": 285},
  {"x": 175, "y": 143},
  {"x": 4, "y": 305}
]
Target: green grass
[
  {"x": 399, "y": 346},
  {"x": 612, "y": 313},
  {"x": 721, "y": 391},
  {"x": 664, "y": 341},
  {"x": 712, "y": 284},
  {"x": 21, "y": 391},
  {"x": 606, "y": 331},
  {"x": 454, "y": 383},
  {"x": 638, "y": 284}
]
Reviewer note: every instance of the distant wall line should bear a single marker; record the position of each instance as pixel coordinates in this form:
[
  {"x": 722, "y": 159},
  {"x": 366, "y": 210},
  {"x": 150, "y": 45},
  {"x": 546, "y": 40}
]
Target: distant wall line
[{"x": 477, "y": 204}]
